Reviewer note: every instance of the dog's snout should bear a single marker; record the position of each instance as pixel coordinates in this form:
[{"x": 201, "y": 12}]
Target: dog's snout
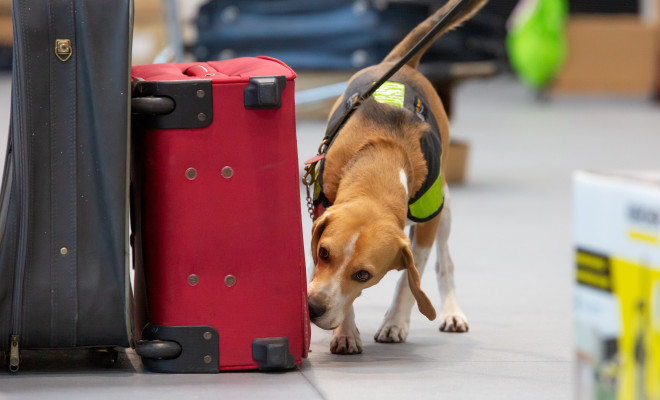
[{"x": 315, "y": 309}]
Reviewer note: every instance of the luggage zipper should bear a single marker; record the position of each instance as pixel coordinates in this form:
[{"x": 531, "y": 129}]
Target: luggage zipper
[
  {"x": 17, "y": 304},
  {"x": 22, "y": 199},
  {"x": 14, "y": 358},
  {"x": 20, "y": 148}
]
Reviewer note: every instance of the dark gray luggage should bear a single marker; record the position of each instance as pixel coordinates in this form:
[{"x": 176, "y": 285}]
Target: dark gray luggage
[{"x": 63, "y": 217}]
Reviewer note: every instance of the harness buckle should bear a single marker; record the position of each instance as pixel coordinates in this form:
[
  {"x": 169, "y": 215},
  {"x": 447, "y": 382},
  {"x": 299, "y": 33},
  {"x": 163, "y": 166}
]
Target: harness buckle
[{"x": 322, "y": 146}]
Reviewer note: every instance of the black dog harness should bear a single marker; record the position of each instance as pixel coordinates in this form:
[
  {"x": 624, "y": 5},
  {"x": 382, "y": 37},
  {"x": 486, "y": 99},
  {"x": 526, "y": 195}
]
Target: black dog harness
[
  {"x": 429, "y": 199},
  {"x": 430, "y": 196}
]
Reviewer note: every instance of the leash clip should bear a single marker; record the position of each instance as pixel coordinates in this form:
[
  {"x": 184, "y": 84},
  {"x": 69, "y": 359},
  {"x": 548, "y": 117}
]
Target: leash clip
[{"x": 309, "y": 179}]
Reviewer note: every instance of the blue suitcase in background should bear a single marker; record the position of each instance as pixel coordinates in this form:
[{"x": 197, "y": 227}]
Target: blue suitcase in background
[
  {"x": 334, "y": 35},
  {"x": 338, "y": 34}
]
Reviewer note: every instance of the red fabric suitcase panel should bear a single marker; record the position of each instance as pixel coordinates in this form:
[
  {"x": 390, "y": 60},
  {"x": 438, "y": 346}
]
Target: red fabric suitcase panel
[{"x": 247, "y": 226}]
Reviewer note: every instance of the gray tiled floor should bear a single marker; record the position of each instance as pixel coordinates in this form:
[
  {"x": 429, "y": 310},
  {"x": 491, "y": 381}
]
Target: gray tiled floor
[{"x": 511, "y": 243}]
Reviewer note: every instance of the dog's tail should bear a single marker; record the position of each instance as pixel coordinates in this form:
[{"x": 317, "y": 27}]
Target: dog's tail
[{"x": 466, "y": 11}]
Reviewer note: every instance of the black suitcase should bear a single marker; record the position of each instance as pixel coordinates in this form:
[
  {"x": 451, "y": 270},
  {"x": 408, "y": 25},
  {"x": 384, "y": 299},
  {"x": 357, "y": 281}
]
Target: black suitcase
[{"x": 63, "y": 217}]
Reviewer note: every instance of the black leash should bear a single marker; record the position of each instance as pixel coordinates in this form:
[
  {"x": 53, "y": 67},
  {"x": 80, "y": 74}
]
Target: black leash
[{"x": 308, "y": 178}]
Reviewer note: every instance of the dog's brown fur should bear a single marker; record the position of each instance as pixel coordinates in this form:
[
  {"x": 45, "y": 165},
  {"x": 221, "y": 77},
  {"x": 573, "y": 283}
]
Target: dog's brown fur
[{"x": 364, "y": 229}]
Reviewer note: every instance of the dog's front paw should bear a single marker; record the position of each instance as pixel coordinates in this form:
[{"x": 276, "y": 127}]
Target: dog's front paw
[
  {"x": 454, "y": 322},
  {"x": 392, "y": 331},
  {"x": 345, "y": 342},
  {"x": 346, "y": 339}
]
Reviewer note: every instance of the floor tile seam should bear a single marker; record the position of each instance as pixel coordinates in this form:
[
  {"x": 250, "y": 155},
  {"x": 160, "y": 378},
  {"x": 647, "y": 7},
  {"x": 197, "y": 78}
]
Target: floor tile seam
[
  {"x": 313, "y": 385},
  {"x": 445, "y": 362}
]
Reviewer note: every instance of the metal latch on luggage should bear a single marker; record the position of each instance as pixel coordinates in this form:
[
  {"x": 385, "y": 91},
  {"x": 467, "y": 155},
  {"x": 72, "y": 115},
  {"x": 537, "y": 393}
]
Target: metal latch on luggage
[{"x": 184, "y": 104}]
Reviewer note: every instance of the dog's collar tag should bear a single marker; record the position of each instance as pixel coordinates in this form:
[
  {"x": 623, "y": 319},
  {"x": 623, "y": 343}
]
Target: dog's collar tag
[{"x": 315, "y": 159}]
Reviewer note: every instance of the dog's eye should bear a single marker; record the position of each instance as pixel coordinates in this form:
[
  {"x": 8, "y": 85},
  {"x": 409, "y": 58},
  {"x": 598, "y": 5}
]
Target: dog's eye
[
  {"x": 362, "y": 276},
  {"x": 324, "y": 254}
]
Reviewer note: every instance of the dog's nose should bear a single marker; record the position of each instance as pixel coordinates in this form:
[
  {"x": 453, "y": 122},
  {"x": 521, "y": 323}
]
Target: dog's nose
[{"x": 315, "y": 309}]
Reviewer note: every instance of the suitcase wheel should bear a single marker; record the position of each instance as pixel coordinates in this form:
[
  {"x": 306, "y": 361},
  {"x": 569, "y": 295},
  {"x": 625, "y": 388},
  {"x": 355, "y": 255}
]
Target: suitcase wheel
[
  {"x": 105, "y": 356},
  {"x": 158, "y": 349}
]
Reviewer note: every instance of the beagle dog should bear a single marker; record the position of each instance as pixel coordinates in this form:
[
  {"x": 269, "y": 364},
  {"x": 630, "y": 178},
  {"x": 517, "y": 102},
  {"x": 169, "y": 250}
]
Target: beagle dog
[{"x": 382, "y": 172}]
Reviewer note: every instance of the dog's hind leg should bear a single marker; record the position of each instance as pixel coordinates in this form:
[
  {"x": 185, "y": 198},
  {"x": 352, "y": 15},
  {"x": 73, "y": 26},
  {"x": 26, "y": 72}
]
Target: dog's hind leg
[
  {"x": 394, "y": 328},
  {"x": 346, "y": 337},
  {"x": 452, "y": 318}
]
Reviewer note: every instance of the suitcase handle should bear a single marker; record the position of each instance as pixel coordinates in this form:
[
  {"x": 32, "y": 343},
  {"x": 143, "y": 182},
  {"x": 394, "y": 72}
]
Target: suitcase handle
[
  {"x": 177, "y": 104},
  {"x": 199, "y": 71},
  {"x": 153, "y": 105}
]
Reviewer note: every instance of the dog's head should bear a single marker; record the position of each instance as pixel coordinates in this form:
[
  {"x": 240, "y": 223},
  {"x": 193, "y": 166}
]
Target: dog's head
[{"x": 353, "y": 248}]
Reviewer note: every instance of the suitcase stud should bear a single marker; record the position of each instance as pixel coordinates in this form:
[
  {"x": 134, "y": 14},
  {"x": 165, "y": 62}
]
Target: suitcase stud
[
  {"x": 191, "y": 173},
  {"x": 193, "y": 279},
  {"x": 230, "y": 280},
  {"x": 227, "y": 172}
]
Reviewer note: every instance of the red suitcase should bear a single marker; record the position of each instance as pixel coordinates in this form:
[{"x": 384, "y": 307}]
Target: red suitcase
[{"x": 218, "y": 231}]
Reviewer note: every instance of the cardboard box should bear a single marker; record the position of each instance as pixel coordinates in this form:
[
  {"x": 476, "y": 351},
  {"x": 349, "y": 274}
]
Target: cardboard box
[
  {"x": 609, "y": 54},
  {"x": 150, "y": 34},
  {"x": 5, "y": 7},
  {"x": 456, "y": 161},
  {"x": 148, "y": 12},
  {"x": 6, "y": 33},
  {"x": 617, "y": 293},
  {"x": 148, "y": 41}
]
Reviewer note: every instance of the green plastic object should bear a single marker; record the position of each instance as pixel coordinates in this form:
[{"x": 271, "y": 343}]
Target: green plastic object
[{"x": 536, "y": 41}]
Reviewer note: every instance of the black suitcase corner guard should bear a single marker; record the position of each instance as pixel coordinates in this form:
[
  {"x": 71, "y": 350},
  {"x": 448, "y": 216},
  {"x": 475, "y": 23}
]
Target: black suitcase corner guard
[
  {"x": 185, "y": 104},
  {"x": 272, "y": 354},
  {"x": 179, "y": 349},
  {"x": 264, "y": 92}
]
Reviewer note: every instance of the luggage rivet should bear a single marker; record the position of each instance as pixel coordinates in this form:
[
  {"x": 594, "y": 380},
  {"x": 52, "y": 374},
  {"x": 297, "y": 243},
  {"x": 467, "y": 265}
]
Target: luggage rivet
[
  {"x": 191, "y": 173},
  {"x": 201, "y": 94},
  {"x": 227, "y": 172},
  {"x": 230, "y": 280},
  {"x": 208, "y": 359},
  {"x": 193, "y": 279},
  {"x": 64, "y": 251},
  {"x": 201, "y": 117},
  {"x": 208, "y": 335}
]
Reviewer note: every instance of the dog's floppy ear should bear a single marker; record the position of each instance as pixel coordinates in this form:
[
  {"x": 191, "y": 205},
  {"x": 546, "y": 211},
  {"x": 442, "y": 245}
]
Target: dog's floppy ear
[
  {"x": 317, "y": 230},
  {"x": 423, "y": 302}
]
